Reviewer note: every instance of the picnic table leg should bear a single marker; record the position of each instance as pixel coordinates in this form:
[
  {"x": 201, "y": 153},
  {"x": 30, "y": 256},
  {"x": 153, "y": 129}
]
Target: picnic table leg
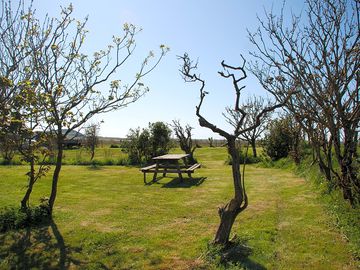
[
  {"x": 189, "y": 174},
  {"x": 145, "y": 178},
  {"x": 164, "y": 173},
  {"x": 156, "y": 170},
  {"x": 179, "y": 171}
]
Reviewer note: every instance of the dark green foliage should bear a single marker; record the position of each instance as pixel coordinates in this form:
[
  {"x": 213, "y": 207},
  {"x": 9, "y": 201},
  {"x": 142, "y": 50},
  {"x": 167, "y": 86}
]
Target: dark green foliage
[
  {"x": 277, "y": 142},
  {"x": 101, "y": 162},
  {"x": 244, "y": 158},
  {"x": 12, "y": 162},
  {"x": 7, "y": 148},
  {"x": 159, "y": 138},
  {"x": 138, "y": 146},
  {"x": 142, "y": 145},
  {"x": 192, "y": 160},
  {"x": 16, "y": 218},
  {"x": 114, "y": 146}
]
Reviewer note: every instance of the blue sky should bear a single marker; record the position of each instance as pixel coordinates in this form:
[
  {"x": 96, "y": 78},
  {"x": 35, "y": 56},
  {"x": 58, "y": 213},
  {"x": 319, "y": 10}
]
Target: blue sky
[{"x": 210, "y": 31}]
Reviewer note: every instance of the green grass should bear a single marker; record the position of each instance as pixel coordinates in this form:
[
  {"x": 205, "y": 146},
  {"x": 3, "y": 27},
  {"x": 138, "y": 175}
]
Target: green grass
[
  {"x": 81, "y": 156},
  {"x": 108, "y": 156},
  {"x": 106, "y": 218}
]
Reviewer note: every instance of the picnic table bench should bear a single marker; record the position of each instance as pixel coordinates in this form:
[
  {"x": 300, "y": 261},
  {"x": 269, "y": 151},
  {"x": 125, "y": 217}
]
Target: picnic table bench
[{"x": 170, "y": 163}]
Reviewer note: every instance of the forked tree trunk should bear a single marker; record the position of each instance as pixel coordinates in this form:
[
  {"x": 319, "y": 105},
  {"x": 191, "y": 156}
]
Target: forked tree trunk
[{"x": 230, "y": 211}]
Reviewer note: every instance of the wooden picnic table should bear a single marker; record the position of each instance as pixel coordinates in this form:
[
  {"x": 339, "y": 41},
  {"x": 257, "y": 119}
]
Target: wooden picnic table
[{"x": 170, "y": 163}]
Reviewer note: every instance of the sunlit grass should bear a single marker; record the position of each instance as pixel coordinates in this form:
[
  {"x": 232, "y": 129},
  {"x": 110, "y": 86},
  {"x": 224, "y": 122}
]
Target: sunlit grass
[{"x": 105, "y": 217}]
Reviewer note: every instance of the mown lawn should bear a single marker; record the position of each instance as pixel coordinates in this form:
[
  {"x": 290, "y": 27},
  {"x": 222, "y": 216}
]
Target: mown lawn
[{"x": 106, "y": 218}]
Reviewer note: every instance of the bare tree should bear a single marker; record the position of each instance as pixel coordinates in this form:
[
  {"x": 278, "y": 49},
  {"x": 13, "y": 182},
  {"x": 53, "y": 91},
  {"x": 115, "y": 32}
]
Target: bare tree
[
  {"x": 321, "y": 59},
  {"x": 211, "y": 142},
  {"x": 183, "y": 135},
  {"x": 239, "y": 203},
  {"x": 92, "y": 138},
  {"x": 252, "y": 106}
]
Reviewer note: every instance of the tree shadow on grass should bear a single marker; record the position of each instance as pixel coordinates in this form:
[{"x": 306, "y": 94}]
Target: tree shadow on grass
[
  {"x": 41, "y": 247},
  {"x": 176, "y": 182},
  {"x": 236, "y": 253}
]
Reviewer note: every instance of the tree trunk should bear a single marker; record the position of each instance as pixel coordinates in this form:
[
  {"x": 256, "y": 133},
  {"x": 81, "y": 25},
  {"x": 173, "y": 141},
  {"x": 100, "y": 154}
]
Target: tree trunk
[
  {"x": 253, "y": 146},
  {"x": 56, "y": 174},
  {"x": 349, "y": 181},
  {"x": 92, "y": 154},
  {"x": 356, "y": 142},
  {"x": 346, "y": 183},
  {"x": 295, "y": 145},
  {"x": 31, "y": 174},
  {"x": 230, "y": 211},
  {"x": 345, "y": 154},
  {"x": 228, "y": 214}
]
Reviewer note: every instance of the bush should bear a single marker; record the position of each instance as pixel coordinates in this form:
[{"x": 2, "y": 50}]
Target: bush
[
  {"x": 160, "y": 138},
  {"x": 114, "y": 146},
  {"x": 16, "y": 218},
  {"x": 142, "y": 145},
  {"x": 12, "y": 162},
  {"x": 277, "y": 143}
]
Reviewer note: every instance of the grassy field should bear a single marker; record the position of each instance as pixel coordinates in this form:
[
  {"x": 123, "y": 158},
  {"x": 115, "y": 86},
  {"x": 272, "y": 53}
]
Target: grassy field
[
  {"x": 81, "y": 156},
  {"x": 106, "y": 218}
]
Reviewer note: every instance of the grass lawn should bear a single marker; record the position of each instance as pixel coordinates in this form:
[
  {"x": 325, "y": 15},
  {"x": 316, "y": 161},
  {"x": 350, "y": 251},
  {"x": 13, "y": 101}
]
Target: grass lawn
[{"x": 106, "y": 218}]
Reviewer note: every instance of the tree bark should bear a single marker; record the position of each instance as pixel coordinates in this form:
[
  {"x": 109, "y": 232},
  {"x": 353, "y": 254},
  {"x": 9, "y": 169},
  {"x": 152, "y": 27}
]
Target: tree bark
[
  {"x": 230, "y": 211},
  {"x": 31, "y": 174},
  {"x": 56, "y": 174},
  {"x": 345, "y": 154},
  {"x": 253, "y": 146},
  {"x": 92, "y": 154},
  {"x": 346, "y": 184},
  {"x": 322, "y": 166}
]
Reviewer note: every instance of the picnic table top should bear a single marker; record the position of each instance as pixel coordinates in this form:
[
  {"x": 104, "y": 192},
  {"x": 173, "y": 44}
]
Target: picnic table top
[{"x": 170, "y": 157}]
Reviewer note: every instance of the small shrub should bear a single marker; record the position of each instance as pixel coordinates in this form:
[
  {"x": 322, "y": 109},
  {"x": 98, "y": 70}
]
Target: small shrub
[
  {"x": 232, "y": 256},
  {"x": 277, "y": 142},
  {"x": 123, "y": 161},
  {"x": 142, "y": 145},
  {"x": 12, "y": 218},
  {"x": 12, "y": 162},
  {"x": 109, "y": 161},
  {"x": 114, "y": 146}
]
